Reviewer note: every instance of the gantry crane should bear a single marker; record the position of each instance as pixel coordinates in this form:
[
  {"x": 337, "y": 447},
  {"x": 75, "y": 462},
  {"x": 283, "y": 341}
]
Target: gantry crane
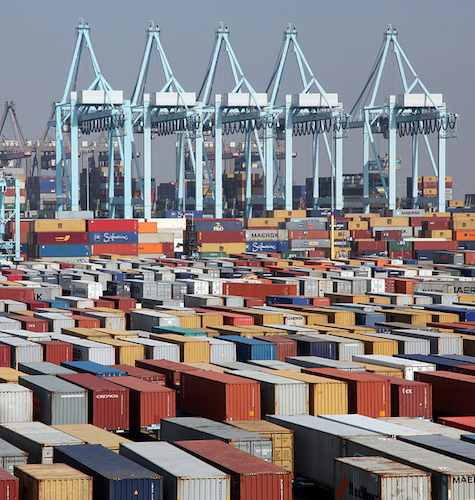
[{"x": 409, "y": 113}]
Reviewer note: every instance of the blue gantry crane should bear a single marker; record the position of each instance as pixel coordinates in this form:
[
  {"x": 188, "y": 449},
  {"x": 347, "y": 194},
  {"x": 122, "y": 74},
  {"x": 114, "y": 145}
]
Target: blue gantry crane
[{"x": 410, "y": 113}]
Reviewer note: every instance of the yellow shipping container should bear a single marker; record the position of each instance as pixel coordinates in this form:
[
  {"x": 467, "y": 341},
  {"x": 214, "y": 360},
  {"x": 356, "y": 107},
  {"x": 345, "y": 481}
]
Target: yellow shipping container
[
  {"x": 230, "y": 330},
  {"x": 264, "y": 222},
  {"x": 337, "y": 316},
  {"x": 326, "y": 396},
  {"x": 456, "y": 203},
  {"x": 47, "y": 482},
  {"x": 410, "y": 317},
  {"x": 115, "y": 334},
  {"x": 465, "y": 223},
  {"x": 346, "y": 298},
  {"x": 379, "y": 299},
  {"x": 126, "y": 353},
  {"x": 389, "y": 222},
  {"x": 223, "y": 247},
  {"x": 261, "y": 318},
  {"x": 59, "y": 226},
  {"x": 10, "y": 375},
  {"x": 84, "y": 333},
  {"x": 466, "y": 298},
  {"x": 210, "y": 319},
  {"x": 357, "y": 225},
  {"x": 282, "y": 439},
  {"x": 187, "y": 320},
  {"x": 429, "y": 192},
  {"x": 91, "y": 434},
  {"x": 429, "y": 178},
  {"x": 374, "y": 345},
  {"x": 288, "y": 213},
  {"x": 437, "y": 214},
  {"x": 192, "y": 349},
  {"x": 263, "y": 330},
  {"x": 440, "y": 233},
  {"x": 441, "y": 317},
  {"x": 463, "y": 215}
]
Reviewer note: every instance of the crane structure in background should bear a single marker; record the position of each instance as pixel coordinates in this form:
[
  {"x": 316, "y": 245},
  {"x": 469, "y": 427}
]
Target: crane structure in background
[
  {"x": 96, "y": 109},
  {"x": 410, "y": 113},
  {"x": 317, "y": 113},
  {"x": 164, "y": 112}
]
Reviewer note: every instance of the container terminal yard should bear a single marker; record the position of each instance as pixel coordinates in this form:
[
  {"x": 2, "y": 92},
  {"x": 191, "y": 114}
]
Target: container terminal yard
[{"x": 231, "y": 335}]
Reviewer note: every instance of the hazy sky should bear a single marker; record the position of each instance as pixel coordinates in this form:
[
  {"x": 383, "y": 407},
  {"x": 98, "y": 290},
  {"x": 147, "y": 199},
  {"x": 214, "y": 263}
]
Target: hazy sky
[{"x": 340, "y": 39}]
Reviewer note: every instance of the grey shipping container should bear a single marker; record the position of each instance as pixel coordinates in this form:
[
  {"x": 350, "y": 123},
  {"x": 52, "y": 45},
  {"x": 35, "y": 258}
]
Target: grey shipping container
[
  {"x": 317, "y": 362},
  {"x": 185, "y": 428},
  {"x": 427, "y": 426},
  {"x": 23, "y": 350},
  {"x": 10, "y": 456},
  {"x": 146, "y": 320},
  {"x": 154, "y": 349},
  {"x": 406, "y": 345},
  {"x": 57, "y": 402},
  {"x": 406, "y": 365},
  {"x": 381, "y": 478},
  {"x": 451, "y": 479},
  {"x": 44, "y": 368},
  {"x": 37, "y": 439},
  {"x": 185, "y": 477},
  {"x": 220, "y": 350}
]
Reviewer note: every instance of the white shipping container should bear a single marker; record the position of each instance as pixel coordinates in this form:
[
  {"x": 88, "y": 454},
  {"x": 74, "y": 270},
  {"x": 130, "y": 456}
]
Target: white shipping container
[
  {"x": 220, "y": 350},
  {"x": 56, "y": 321},
  {"x": 154, "y": 349},
  {"x": 9, "y": 324},
  {"x": 406, "y": 365},
  {"x": 86, "y": 289},
  {"x": 146, "y": 320},
  {"x": 23, "y": 351},
  {"x": 381, "y": 478},
  {"x": 88, "y": 350},
  {"x": 16, "y": 403},
  {"x": 185, "y": 477},
  {"x": 27, "y": 335}
]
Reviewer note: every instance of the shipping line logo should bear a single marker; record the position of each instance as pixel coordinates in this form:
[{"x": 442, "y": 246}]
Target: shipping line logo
[
  {"x": 110, "y": 237},
  {"x": 218, "y": 227},
  {"x": 62, "y": 238}
]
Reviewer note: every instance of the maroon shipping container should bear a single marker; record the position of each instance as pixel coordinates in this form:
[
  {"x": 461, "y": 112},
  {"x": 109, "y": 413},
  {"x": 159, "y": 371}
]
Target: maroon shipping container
[
  {"x": 149, "y": 402},
  {"x": 435, "y": 224},
  {"x": 5, "y": 355},
  {"x": 221, "y": 236},
  {"x": 220, "y": 396},
  {"x": 284, "y": 347},
  {"x": 103, "y": 303},
  {"x": 115, "y": 248},
  {"x": 123, "y": 225},
  {"x": 253, "y": 302},
  {"x": 121, "y": 303},
  {"x": 320, "y": 301},
  {"x": 142, "y": 373},
  {"x": 55, "y": 351},
  {"x": 397, "y": 254},
  {"x": 85, "y": 321},
  {"x": 9, "y": 486},
  {"x": 367, "y": 395},
  {"x": 251, "y": 477},
  {"x": 61, "y": 238},
  {"x": 229, "y": 318},
  {"x": 35, "y": 304},
  {"x": 108, "y": 404},
  {"x": 441, "y": 245},
  {"x": 453, "y": 394},
  {"x": 170, "y": 369},
  {"x": 373, "y": 246},
  {"x": 389, "y": 285},
  {"x": 409, "y": 398},
  {"x": 361, "y": 234},
  {"x": 463, "y": 423},
  {"x": 466, "y": 369},
  {"x": 17, "y": 293},
  {"x": 31, "y": 324},
  {"x": 390, "y": 235},
  {"x": 260, "y": 290}
]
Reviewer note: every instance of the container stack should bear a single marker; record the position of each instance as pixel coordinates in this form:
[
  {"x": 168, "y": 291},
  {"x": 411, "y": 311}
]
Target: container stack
[
  {"x": 216, "y": 237},
  {"x": 113, "y": 236},
  {"x": 41, "y": 193}
]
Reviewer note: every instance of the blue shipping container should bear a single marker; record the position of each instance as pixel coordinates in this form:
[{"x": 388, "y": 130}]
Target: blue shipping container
[
  {"x": 338, "y": 225},
  {"x": 94, "y": 368},
  {"x": 324, "y": 212},
  {"x": 311, "y": 346},
  {"x": 288, "y": 299},
  {"x": 282, "y": 246},
  {"x": 114, "y": 237},
  {"x": 114, "y": 476},
  {"x": 117, "y": 275},
  {"x": 218, "y": 225},
  {"x": 63, "y": 251},
  {"x": 56, "y": 303},
  {"x": 247, "y": 349},
  {"x": 261, "y": 246},
  {"x": 178, "y": 214},
  {"x": 440, "y": 362}
]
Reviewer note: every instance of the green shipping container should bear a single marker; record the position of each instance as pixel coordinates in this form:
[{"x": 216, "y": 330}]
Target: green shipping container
[
  {"x": 213, "y": 255},
  {"x": 288, "y": 254}
]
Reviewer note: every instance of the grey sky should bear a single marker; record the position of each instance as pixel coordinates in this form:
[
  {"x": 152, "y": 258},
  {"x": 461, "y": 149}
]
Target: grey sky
[{"x": 340, "y": 39}]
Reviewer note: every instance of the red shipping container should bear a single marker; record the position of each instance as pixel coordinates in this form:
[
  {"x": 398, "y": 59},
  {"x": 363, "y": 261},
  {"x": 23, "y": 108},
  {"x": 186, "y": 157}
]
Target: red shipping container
[
  {"x": 85, "y": 321},
  {"x": 392, "y": 235},
  {"x": 35, "y": 304},
  {"x": 469, "y": 257},
  {"x": 404, "y": 285},
  {"x": 361, "y": 234},
  {"x": 234, "y": 319},
  {"x": 142, "y": 373},
  {"x": 31, "y": 324},
  {"x": 441, "y": 245},
  {"x": 389, "y": 285},
  {"x": 251, "y": 477},
  {"x": 5, "y": 356},
  {"x": 320, "y": 301},
  {"x": 149, "y": 402},
  {"x": 170, "y": 369},
  {"x": 308, "y": 234},
  {"x": 14, "y": 277},
  {"x": 373, "y": 246},
  {"x": 432, "y": 224},
  {"x": 17, "y": 293},
  {"x": 108, "y": 403},
  {"x": 61, "y": 238},
  {"x": 221, "y": 236},
  {"x": 253, "y": 302},
  {"x": 55, "y": 351},
  {"x": 284, "y": 347},
  {"x": 453, "y": 394},
  {"x": 220, "y": 396},
  {"x": 115, "y": 248},
  {"x": 103, "y": 303},
  {"x": 121, "y": 303},
  {"x": 409, "y": 398},
  {"x": 260, "y": 290},
  {"x": 463, "y": 423},
  {"x": 367, "y": 395},
  {"x": 123, "y": 225},
  {"x": 9, "y": 486},
  {"x": 66, "y": 265},
  {"x": 315, "y": 253},
  {"x": 466, "y": 369}
]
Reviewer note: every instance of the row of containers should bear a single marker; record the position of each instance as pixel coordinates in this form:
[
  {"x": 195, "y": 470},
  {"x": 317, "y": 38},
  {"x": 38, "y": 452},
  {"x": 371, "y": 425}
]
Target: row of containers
[{"x": 50, "y": 238}]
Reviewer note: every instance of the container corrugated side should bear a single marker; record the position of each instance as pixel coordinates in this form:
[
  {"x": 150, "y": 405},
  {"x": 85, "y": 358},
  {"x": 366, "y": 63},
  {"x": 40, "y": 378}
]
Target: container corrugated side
[
  {"x": 44, "y": 482},
  {"x": 220, "y": 350},
  {"x": 16, "y": 403},
  {"x": 9, "y": 486},
  {"x": 126, "y": 353},
  {"x": 114, "y": 476},
  {"x": 23, "y": 351},
  {"x": 192, "y": 349},
  {"x": 37, "y": 439},
  {"x": 11, "y": 455},
  {"x": 377, "y": 477},
  {"x": 91, "y": 434},
  {"x": 185, "y": 477},
  {"x": 451, "y": 479},
  {"x": 88, "y": 350},
  {"x": 426, "y": 425},
  {"x": 157, "y": 350}
]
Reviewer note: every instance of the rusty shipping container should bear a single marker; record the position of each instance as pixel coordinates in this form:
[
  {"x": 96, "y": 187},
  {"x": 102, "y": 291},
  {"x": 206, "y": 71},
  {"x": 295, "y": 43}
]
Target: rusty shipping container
[
  {"x": 251, "y": 478},
  {"x": 170, "y": 369},
  {"x": 284, "y": 347},
  {"x": 220, "y": 396},
  {"x": 142, "y": 373},
  {"x": 366, "y": 395},
  {"x": 108, "y": 404}
]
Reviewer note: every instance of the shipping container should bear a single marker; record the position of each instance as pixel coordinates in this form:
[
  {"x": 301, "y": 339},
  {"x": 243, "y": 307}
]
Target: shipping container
[
  {"x": 16, "y": 403},
  {"x": 9, "y": 375},
  {"x": 247, "y": 348},
  {"x": 55, "y": 351},
  {"x": 96, "y": 369},
  {"x": 56, "y": 401},
  {"x": 91, "y": 434},
  {"x": 22, "y": 351},
  {"x": 425, "y": 425},
  {"x": 10, "y": 456},
  {"x": 377, "y": 477},
  {"x": 37, "y": 439},
  {"x": 9, "y": 486},
  {"x": 108, "y": 404},
  {"x": 148, "y": 402},
  {"x": 220, "y": 396},
  {"x": 170, "y": 369},
  {"x": 114, "y": 476},
  {"x": 251, "y": 477},
  {"x": 155, "y": 349},
  {"x": 465, "y": 423},
  {"x": 45, "y": 482},
  {"x": 192, "y": 349},
  {"x": 318, "y": 362},
  {"x": 44, "y": 368},
  {"x": 142, "y": 374},
  {"x": 283, "y": 345},
  {"x": 185, "y": 477},
  {"x": 408, "y": 366}
]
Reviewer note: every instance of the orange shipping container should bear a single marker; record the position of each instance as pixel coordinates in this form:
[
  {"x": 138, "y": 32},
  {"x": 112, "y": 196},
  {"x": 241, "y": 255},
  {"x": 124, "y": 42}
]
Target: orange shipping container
[
  {"x": 464, "y": 235},
  {"x": 150, "y": 248},
  {"x": 147, "y": 227}
]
